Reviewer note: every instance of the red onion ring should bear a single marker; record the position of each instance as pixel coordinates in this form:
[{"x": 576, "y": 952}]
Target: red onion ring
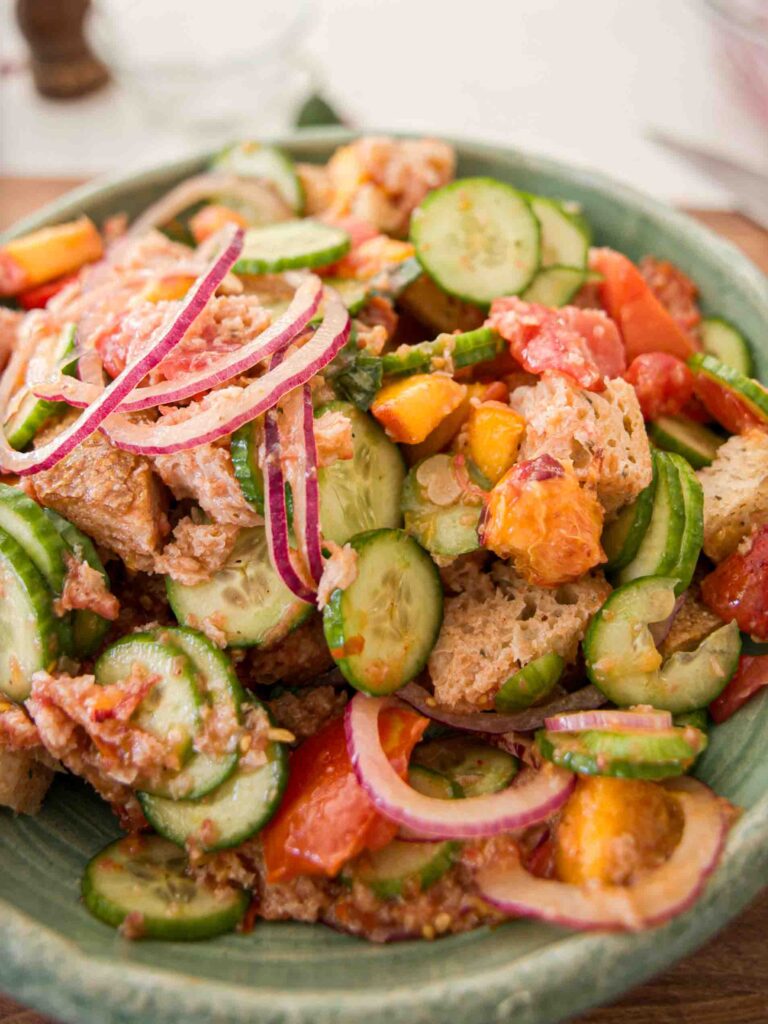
[
  {"x": 660, "y": 630},
  {"x": 277, "y": 336},
  {"x": 659, "y": 895},
  {"x": 312, "y": 535},
  {"x": 24, "y": 463},
  {"x": 646, "y": 719},
  {"x": 533, "y": 797},
  {"x": 586, "y": 698},
  {"x": 226, "y": 412}
]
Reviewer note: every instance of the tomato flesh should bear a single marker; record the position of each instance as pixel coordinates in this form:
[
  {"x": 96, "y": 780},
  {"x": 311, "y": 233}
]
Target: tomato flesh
[
  {"x": 723, "y": 405},
  {"x": 663, "y": 384},
  {"x": 41, "y": 295},
  {"x": 737, "y": 590},
  {"x": 751, "y": 676}
]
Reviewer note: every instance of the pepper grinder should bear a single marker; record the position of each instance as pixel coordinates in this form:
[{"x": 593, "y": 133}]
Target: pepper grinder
[{"x": 63, "y": 65}]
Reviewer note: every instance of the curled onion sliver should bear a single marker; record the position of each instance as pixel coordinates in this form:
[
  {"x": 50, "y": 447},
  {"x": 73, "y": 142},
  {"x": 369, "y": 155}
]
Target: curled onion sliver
[
  {"x": 646, "y": 719},
  {"x": 533, "y": 796},
  {"x": 277, "y": 336},
  {"x": 493, "y": 722},
  {"x": 659, "y": 895},
  {"x": 312, "y": 536},
  {"x": 225, "y": 411},
  {"x": 230, "y": 241}
]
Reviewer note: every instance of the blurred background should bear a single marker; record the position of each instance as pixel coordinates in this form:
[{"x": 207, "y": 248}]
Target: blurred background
[{"x": 587, "y": 82}]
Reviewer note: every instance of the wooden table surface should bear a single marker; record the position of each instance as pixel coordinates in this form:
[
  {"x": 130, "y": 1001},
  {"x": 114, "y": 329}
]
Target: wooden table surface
[{"x": 726, "y": 982}]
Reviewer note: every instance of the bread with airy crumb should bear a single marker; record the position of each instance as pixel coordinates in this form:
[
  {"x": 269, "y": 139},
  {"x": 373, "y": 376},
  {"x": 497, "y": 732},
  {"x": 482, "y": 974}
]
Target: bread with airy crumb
[
  {"x": 735, "y": 492},
  {"x": 24, "y": 781}
]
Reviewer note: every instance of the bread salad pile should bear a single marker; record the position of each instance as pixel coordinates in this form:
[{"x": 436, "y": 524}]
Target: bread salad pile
[{"x": 377, "y": 548}]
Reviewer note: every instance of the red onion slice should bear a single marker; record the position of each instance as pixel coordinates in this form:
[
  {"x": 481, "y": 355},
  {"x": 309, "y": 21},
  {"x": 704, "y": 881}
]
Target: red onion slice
[
  {"x": 225, "y": 412},
  {"x": 311, "y": 497},
  {"x": 586, "y": 698},
  {"x": 532, "y": 797},
  {"x": 277, "y": 336},
  {"x": 644, "y": 719},
  {"x": 230, "y": 241},
  {"x": 664, "y": 892},
  {"x": 270, "y": 206}
]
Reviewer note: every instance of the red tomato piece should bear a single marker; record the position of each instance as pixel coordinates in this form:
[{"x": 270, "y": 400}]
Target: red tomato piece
[
  {"x": 727, "y": 408},
  {"x": 663, "y": 384},
  {"x": 40, "y": 296},
  {"x": 601, "y": 335},
  {"x": 675, "y": 291},
  {"x": 737, "y": 590},
  {"x": 326, "y": 817},
  {"x": 751, "y": 676},
  {"x": 646, "y": 326}
]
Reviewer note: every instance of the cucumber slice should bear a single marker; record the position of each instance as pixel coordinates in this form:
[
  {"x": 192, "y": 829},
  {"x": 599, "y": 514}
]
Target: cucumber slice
[
  {"x": 445, "y": 527},
  {"x": 361, "y": 493},
  {"x": 29, "y": 639},
  {"x": 173, "y": 704},
  {"x": 146, "y": 875},
  {"x": 477, "y": 238},
  {"x": 465, "y": 349},
  {"x": 220, "y": 688},
  {"x": 432, "y": 783},
  {"x": 382, "y": 628},
  {"x": 477, "y": 767},
  {"x": 725, "y": 342},
  {"x": 246, "y": 599},
  {"x": 749, "y": 391},
  {"x": 693, "y": 531},
  {"x": 555, "y": 285},
  {"x": 354, "y": 294},
  {"x": 623, "y": 662},
  {"x": 398, "y": 277},
  {"x": 565, "y": 236},
  {"x": 695, "y": 442},
  {"x": 622, "y": 537},
  {"x": 624, "y": 755},
  {"x": 658, "y": 552},
  {"x": 28, "y": 414},
  {"x": 533, "y": 682},
  {"x": 254, "y": 160},
  {"x": 291, "y": 244},
  {"x": 88, "y": 628},
  {"x": 699, "y": 719},
  {"x": 229, "y": 815},
  {"x": 244, "y": 449},
  {"x": 402, "y": 869}
]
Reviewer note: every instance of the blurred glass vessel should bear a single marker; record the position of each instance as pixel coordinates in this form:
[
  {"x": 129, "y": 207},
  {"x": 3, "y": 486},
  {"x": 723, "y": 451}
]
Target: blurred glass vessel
[{"x": 742, "y": 32}]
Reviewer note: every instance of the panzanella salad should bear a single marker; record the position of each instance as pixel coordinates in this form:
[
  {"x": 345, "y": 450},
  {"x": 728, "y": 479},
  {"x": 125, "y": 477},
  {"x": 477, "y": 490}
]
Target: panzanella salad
[{"x": 378, "y": 548}]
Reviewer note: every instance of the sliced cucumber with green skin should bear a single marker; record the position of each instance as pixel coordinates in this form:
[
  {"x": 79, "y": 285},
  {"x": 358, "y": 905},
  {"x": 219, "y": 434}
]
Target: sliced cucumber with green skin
[
  {"x": 477, "y": 238},
  {"x": 145, "y": 877},
  {"x": 246, "y": 599},
  {"x": 695, "y": 442},
  {"x": 396, "y": 278},
  {"x": 402, "y": 868},
  {"x": 29, "y": 414},
  {"x": 172, "y": 706},
  {"x": 565, "y": 236},
  {"x": 622, "y": 537},
  {"x": 693, "y": 531},
  {"x": 698, "y": 719},
  {"x": 659, "y": 549},
  {"x": 432, "y": 783},
  {"x": 289, "y": 245},
  {"x": 244, "y": 449},
  {"x": 747, "y": 390},
  {"x": 354, "y": 294},
  {"x": 29, "y": 639},
  {"x": 232, "y": 813},
  {"x": 533, "y": 682},
  {"x": 382, "y": 628},
  {"x": 219, "y": 688},
  {"x": 88, "y": 628},
  {"x": 721, "y": 339},
  {"x": 268, "y": 163},
  {"x": 465, "y": 349},
  {"x": 361, "y": 493},
  {"x": 477, "y": 767},
  {"x": 555, "y": 286},
  {"x": 445, "y": 527},
  {"x": 623, "y": 662},
  {"x": 624, "y": 755}
]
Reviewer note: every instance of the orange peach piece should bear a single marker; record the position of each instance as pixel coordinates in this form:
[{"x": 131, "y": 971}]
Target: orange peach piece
[
  {"x": 612, "y": 829},
  {"x": 448, "y": 428},
  {"x": 49, "y": 253},
  {"x": 494, "y": 432},
  {"x": 167, "y": 288},
  {"x": 411, "y": 408},
  {"x": 212, "y": 218}
]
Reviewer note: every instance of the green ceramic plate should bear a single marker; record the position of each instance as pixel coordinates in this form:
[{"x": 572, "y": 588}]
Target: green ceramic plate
[{"x": 57, "y": 958}]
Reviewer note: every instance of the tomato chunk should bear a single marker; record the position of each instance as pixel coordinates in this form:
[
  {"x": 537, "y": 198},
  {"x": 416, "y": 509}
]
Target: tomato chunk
[
  {"x": 737, "y": 590},
  {"x": 675, "y": 291},
  {"x": 751, "y": 676},
  {"x": 326, "y": 817},
  {"x": 663, "y": 384},
  {"x": 40, "y": 296},
  {"x": 725, "y": 406},
  {"x": 646, "y": 326}
]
